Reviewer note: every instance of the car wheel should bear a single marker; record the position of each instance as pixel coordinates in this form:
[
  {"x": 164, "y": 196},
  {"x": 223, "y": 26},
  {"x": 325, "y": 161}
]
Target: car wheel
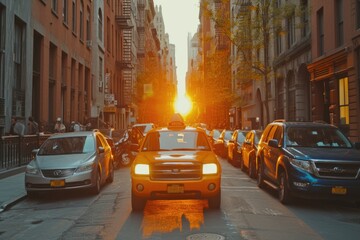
[
  {"x": 251, "y": 169},
  {"x": 284, "y": 191},
  {"x": 260, "y": 175},
  {"x": 96, "y": 188},
  {"x": 215, "y": 202},
  {"x": 137, "y": 203},
  {"x": 125, "y": 159},
  {"x": 110, "y": 178}
]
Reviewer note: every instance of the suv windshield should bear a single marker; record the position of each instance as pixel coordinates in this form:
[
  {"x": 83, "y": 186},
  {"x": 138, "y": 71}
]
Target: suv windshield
[
  {"x": 316, "y": 137},
  {"x": 175, "y": 140}
]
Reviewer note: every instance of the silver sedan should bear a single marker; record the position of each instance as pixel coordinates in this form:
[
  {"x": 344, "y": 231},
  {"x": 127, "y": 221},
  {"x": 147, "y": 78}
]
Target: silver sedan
[{"x": 70, "y": 161}]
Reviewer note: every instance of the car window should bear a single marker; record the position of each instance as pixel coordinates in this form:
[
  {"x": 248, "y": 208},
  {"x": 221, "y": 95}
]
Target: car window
[
  {"x": 228, "y": 134},
  {"x": 66, "y": 145},
  {"x": 175, "y": 140},
  {"x": 241, "y": 136}
]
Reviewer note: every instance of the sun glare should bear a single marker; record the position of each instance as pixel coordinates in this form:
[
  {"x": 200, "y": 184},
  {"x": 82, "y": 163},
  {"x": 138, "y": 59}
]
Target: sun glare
[{"x": 183, "y": 105}]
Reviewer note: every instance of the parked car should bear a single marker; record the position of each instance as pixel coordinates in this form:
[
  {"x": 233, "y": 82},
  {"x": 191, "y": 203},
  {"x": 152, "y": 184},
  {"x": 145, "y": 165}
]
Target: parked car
[
  {"x": 221, "y": 144},
  {"x": 234, "y": 147},
  {"x": 214, "y": 135},
  {"x": 71, "y": 160},
  {"x": 308, "y": 160},
  {"x": 175, "y": 162},
  {"x": 248, "y": 151}
]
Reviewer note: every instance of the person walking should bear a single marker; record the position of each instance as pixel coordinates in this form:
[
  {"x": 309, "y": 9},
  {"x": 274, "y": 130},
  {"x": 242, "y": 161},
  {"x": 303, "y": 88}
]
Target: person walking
[
  {"x": 17, "y": 128},
  {"x": 33, "y": 127},
  {"x": 59, "y": 126}
]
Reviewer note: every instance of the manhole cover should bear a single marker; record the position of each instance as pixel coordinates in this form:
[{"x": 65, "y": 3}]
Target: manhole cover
[{"x": 205, "y": 236}]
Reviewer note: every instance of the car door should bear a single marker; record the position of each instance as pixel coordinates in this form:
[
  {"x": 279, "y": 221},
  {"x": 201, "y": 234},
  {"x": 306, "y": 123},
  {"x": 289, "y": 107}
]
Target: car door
[
  {"x": 102, "y": 156},
  {"x": 268, "y": 153},
  {"x": 273, "y": 153},
  {"x": 232, "y": 145},
  {"x": 246, "y": 148}
]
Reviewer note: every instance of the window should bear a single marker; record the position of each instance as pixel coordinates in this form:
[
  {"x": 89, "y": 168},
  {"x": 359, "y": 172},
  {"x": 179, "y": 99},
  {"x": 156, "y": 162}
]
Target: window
[
  {"x": 108, "y": 34},
  {"x": 2, "y": 49},
  {"x": 100, "y": 25},
  {"x": 320, "y": 31},
  {"x": 291, "y": 30},
  {"x": 100, "y": 74},
  {"x": 65, "y": 11},
  {"x": 305, "y": 18},
  {"x": 344, "y": 101},
  {"x": 18, "y": 53},
  {"x": 74, "y": 16},
  {"x": 291, "y": 101},
  {"x": 54, "y": 6},
  {"x": 339, "y": 23},
  {"x": 278, "y": 42},
  {"x": 81, "y": 21},
  {"x": 88, "y": 26},
  {"x": 358, "y": 14}
]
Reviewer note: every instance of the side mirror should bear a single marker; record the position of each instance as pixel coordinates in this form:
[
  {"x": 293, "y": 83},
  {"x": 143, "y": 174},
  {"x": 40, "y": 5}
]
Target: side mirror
[
  {"x": 274, "y": 143},
  {"x": 101, "y": 149}
]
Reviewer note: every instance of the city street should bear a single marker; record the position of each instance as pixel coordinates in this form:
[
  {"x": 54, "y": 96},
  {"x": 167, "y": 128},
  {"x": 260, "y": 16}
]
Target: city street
[{"x": 247, "y": 212}]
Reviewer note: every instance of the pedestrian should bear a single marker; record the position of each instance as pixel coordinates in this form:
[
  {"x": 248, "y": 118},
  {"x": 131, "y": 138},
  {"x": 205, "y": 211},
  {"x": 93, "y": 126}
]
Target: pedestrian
[
  {"x": 16, "y": 128},
  {"x": 59, "y": 126},
  {"x": 75, "y": 127},
  {"x": 33, "y": 127}
]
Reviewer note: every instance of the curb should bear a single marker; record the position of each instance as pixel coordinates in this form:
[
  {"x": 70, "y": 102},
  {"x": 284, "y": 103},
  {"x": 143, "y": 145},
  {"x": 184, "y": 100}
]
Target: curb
[
  {"x": 12, "y": 171},
  {"x": 7, "y": 205}
]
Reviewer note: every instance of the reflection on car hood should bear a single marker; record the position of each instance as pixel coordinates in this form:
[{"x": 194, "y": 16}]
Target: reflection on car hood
[
  {"x": 202, "y": 156},
  {"x": 347, "y": 154},
  {"x": 62, "y": 161}
]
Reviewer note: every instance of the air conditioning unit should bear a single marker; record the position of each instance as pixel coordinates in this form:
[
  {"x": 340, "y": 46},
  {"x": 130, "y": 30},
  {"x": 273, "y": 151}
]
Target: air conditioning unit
[{"x": 88, "y": 43}]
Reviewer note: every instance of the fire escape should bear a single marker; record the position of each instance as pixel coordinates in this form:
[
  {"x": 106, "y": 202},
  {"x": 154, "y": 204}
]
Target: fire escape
[{"x": 124, "y": 22}]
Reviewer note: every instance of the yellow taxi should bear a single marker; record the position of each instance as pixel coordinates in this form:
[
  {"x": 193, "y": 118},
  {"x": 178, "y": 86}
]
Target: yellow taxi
[{"x": 175, "y": 162}]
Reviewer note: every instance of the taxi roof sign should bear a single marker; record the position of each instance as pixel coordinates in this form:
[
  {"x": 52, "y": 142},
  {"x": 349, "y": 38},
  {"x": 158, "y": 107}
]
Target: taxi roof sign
[{"x": 176, "y": 121}]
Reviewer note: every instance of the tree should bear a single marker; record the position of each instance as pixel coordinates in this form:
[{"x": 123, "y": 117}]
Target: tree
[{"x": 251, "y": 29}]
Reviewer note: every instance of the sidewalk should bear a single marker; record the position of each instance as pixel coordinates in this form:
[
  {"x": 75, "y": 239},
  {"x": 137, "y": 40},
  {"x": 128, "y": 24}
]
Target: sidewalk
[{"x": 12, "y": 187}]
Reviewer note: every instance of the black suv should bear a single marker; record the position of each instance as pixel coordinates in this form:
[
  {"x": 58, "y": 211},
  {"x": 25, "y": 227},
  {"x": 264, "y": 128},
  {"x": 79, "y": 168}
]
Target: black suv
[{"x": 309, "y": 160}]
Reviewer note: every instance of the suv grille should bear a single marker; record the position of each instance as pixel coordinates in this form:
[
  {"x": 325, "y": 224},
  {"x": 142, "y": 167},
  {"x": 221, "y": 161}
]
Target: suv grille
[
  {"x": 339, "y": 170},
  {"x": 176, "y": 171},
  {"x": 58, "y": 173}
]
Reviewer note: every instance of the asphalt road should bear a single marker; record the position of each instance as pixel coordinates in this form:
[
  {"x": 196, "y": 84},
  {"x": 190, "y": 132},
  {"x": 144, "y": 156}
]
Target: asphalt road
[{"x": 247, "y": 212}]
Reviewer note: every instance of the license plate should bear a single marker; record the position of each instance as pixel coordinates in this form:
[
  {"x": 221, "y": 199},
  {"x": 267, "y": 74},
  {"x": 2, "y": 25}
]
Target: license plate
[
  {"x": 175, "y": 188},
  {"x": 57, "y": 183},
  {"x": 338, "y": 190}
]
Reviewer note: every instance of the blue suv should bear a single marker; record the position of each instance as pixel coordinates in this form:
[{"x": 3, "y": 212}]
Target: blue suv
[{"x": 308, "y": 160}]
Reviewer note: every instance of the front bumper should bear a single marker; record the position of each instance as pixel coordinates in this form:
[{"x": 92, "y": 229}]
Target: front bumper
[
  {"x": 75, "y": 181},
  {"x": 305, "y": 185},
  {"x": 208, "y": 186}
]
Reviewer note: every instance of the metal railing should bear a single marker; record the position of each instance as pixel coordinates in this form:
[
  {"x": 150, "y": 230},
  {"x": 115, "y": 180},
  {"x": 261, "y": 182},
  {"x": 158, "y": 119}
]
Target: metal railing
[{"x": 16, "y": 151}]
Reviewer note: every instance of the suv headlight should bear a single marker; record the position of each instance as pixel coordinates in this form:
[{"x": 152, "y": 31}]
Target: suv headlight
[
  {"x": 303, "y": 164},
  {"x": 142, "y": 169},
  {"x": 32, "y": 169},
  {"x": 209, "y": 168}
]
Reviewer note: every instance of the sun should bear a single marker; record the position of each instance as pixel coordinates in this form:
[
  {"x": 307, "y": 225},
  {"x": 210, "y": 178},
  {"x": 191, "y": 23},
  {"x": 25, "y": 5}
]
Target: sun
[{"x": 183, "y": 105}]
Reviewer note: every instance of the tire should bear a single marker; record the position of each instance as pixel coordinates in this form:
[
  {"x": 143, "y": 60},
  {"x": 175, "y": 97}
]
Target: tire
[
  {"x": 110, "y": 178},
  {"x": 215, "y": 202},
  {"x": 96, "y": 188},
  {"x": 125, "y": 159},
  {"x": 284, "y": 191},
  {"x": 137, "y": 203},
  {"x": 251, "y": 170},
  {"x": 260, "y": 175}
]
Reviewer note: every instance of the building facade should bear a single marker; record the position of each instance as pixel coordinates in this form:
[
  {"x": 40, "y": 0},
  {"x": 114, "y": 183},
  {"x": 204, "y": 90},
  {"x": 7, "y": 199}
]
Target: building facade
[{"x": 334, "y": 69}]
